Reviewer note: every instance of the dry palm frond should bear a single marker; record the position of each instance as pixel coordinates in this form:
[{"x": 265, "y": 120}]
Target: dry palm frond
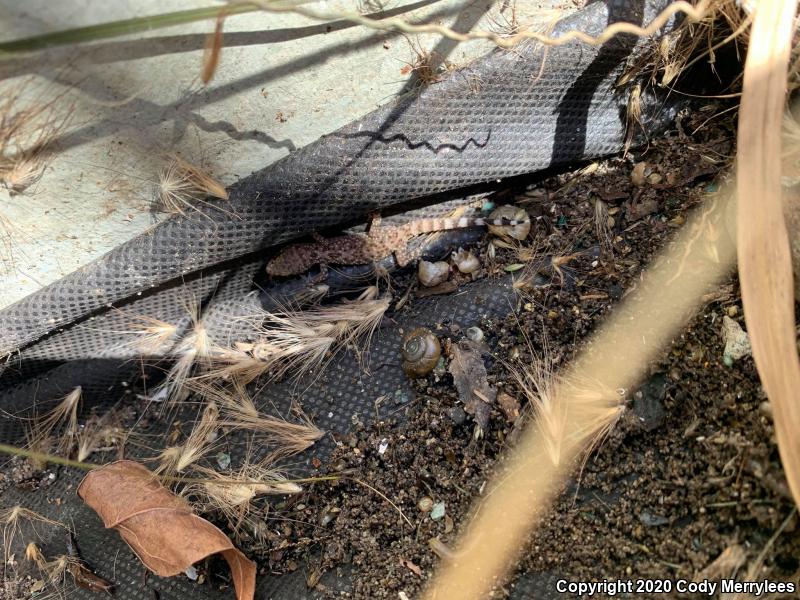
[
  {"x": 12, "y": 519},
  {"x": 44, "y": 429},
  {"x": 176, "y": 459},
  {"x": 238, "y": 410},
  {"x": 233, "y": 494},
  {"x": 182, "y": 186},
  {"x": 763, "y": 244}
]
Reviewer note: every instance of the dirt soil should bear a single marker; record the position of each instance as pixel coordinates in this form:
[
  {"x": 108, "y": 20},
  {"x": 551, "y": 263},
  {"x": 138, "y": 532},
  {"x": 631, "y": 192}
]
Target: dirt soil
[{"x": 690, "y": 472}]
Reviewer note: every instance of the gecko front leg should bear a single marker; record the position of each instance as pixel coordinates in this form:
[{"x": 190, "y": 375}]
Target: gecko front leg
[
  {"x": 322, "y": 276},
  {"x": 402, "y": 256}
]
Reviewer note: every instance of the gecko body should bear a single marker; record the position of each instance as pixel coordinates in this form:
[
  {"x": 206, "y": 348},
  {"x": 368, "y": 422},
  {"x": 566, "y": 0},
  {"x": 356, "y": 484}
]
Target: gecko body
[{"x": 366, "y": 248}]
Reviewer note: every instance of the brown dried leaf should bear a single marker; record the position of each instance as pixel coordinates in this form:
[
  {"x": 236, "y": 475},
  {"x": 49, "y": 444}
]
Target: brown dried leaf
[
  {"x": 509, "y": 406},
  {"x": 469, "y": 375},
  {"x": 85, "y": 578},
  {"x": 158, "y": 526},
  {"x": 411, "y": 566}
]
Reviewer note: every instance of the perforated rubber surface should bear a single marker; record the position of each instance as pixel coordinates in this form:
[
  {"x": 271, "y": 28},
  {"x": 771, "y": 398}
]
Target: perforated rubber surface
[{"x": 334, "y": 397}]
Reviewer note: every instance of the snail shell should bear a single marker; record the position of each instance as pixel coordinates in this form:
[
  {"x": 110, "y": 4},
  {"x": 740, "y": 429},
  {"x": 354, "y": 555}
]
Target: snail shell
[
  {"x": 466, "y": 261},
  {"x": 431, "y": 274},
  {"x": 421, "y": 351},
  {"x": 475, "y": 334},
  {"x": 514, "y": 213}
]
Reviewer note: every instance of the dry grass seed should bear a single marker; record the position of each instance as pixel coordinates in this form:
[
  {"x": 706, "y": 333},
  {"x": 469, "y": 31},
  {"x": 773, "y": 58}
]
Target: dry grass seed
[
  {"x": 238, "y": 410},
  {"x": 201, "y": 440},
  {"x": 46, "y": 431},
  {"x": 183, "y": 186}
]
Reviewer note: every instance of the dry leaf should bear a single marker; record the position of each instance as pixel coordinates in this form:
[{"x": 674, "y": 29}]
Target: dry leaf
[
  {"x": 509, "y": 406},
  {"x": 159, "y": 526},
  {"x": 469, "y": 375},
  {"x": 85, "y": 578},
  {"x": 411, "y": 566}
]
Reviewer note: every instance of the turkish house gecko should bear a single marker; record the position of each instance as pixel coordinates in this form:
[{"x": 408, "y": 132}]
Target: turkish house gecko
[{"x": 365, "y": 248}]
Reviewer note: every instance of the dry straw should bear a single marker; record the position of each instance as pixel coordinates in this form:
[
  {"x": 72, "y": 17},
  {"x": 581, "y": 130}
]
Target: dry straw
[
  {"x": 176, "y": 459},
  {"x": 293, "y": 342},
  {"x": 233, "y": 494},
  {"x": 765, "y": 265},
  {"x": 28, "y": 129},
  {"x": 239, "y": 411},
  {"x": 13, "y": 520},
  {"x": 58, "y": 427},
  {"x": 183, "y": 186}
]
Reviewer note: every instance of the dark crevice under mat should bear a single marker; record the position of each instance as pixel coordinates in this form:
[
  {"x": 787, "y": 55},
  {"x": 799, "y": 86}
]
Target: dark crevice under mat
[{"x": 339, "y": 394}]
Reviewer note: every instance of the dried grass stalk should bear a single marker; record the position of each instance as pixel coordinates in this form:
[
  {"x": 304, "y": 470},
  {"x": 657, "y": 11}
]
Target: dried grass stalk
[
  {"x": 238, "y": 410},
  {"x": 152, "y": 336},
  {"x": 297, "y": 342},
  {"x": 176, "y": 459},
  {"x": 195, "y": 348},
  {"x": 58, "y": 427},
  {"x": 28, "y": 130},
  {"x": 539, "y": 385},
  {"x": 212, "y": 50},
  {"x": 233, "y": 494},
  {"x": 182, "y": 186},
  {"x": 765, "y": 266},
  {"x": 12, "y": 519}
]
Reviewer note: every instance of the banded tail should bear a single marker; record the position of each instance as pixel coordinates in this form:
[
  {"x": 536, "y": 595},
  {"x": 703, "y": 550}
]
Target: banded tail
[{"x": 433, "y": 225}]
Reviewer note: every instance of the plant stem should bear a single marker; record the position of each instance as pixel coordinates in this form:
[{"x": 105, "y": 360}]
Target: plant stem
[
  {"x": 57, "y": 460},
  {"x": 47, "y": 458},
  {"x": 123, "y": 27}
]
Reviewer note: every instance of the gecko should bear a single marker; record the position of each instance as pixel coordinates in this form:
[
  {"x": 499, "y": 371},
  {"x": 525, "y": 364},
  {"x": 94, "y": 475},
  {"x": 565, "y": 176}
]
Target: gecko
[{"x": 365, "y": 248}]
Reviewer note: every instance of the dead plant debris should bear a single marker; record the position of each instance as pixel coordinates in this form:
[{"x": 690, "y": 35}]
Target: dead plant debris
[{"x": 160, "y": 527}]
